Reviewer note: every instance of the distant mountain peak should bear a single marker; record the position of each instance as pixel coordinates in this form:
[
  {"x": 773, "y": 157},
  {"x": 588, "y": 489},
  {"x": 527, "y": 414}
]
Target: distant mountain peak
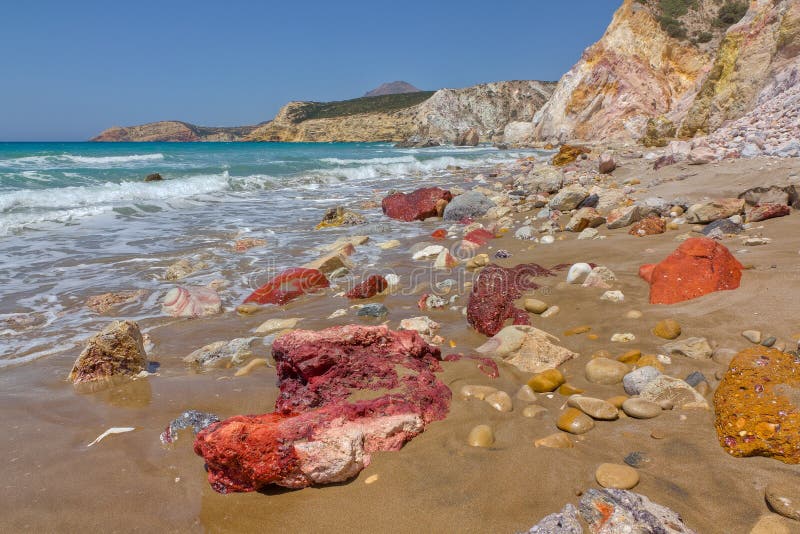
[{"x": 393, "y": 88}]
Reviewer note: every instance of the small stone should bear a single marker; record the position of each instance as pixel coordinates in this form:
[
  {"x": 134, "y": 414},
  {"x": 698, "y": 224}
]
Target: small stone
[
  {"x": 535, "y": 306},
  {"x": 534, "y": 411},
  {"x": 373, "y": 310},
  {"x": 588, "y": 233},
  {"x": 578, "y": 272},
  {"x": 559, "y": 440},
  {"x": 633, "y": 314},
  {"x": 696, "y": 348},
  {"x": 568, "y": 389},
  {"x": 526, "y": 394},
  {"x": 616, "y": 476},
  {"x": 636, "y": 380},
  {"x": 594, "y": 408},
  {"x": 753, "y": 336},
  {"x": 641, "y": 408},
  {"x": 772, "y": 524},
  {"x": 783, "y": 496},
  {"x": 667, "y": 329},
  {"x": 551, "y": 311},
  {"x": 623, "y": 338},
  {"x": 248, "y": 309},
  {"x": 271, "y": 326},
  {"x": 613, "y": 296},
  {"x": 695, "y": 378},
  {"x": 650, "y": 360},
  {"x": 658, "y": 434},
  {"x": 500, "y": 401},
  {"x": 574, "y": 421},
  {"x": 617, "y": 401},
  {"x": 769, "y": 341},
  {"x": 577, "y": 330},
  {"x": 630, "y": 357},
  {"x": 637, "y": 459},
  {"x": 386, "y": 245},
  {"x": 477, "y": 392},
  {"x": 605, "y": 371},
  {"x": 546, "y": 381},
  {"x": 481, "y": 436},
  {"x": 668, "y": 391}
]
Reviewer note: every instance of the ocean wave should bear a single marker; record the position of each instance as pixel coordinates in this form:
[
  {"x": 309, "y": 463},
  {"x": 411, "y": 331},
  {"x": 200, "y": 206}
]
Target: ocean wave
[
  {"x": 71, "y": 160},
  {"x": 369, "y": 161}
]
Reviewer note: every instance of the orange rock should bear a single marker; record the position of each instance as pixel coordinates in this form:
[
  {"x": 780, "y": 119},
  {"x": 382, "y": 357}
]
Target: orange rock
[
  {"x": 567, "y": 154},
  {"x": 758, "y": 405},
  {"x": 697, "y": 267},
  {"x": 648, "y": 226}
]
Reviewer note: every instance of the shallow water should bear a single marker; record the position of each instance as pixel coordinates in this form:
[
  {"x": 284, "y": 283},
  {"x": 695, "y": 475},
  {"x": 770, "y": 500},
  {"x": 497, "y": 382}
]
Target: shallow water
[{"x": 76, "y": 219}]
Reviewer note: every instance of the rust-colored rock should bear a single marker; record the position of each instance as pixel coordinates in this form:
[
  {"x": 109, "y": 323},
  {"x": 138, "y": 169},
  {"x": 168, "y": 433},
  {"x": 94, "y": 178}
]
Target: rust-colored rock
[
  {"x": 757, "y": 405},
  {"x": 289, "y": 285},
  {"x": 491, "y": 301},
  {"x": 368, "y": 288},
  {"x": 318, "y": 433},
  {"x": 567, "y": 154},
  {"x": 697, "y": 267},
  {"x": 417, "y": 205},
  {"x": 767, "y": 211},
  {"x": 648, "y": 226}
]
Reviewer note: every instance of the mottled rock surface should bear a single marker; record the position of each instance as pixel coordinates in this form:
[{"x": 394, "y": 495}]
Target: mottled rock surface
[
  {"x": 289, "y": 285},
  {"x": 116, "y": 351}
]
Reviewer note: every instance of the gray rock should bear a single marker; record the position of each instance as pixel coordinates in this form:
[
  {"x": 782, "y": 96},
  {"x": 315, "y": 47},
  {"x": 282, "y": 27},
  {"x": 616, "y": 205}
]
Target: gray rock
[
  {"x": 235, "y": 351},
  {"x": 636, "y": 380},
  {"x": 373, "y": 310},
  {"x": 568, "y": 198},
  {"x": 524, "y": 233},
  {"x": 784, "y": 496},
  {"x": 563, "y": 522},
  {"x": 724, "y": 226},
  {"x": 695, "y": 378},
  {"x": 613, "y": 511},
  {"x": 696, "y": 348},
  {"x": 641, "y": 408},
  {"x": 471, "y": 204},
  {"x": 193, "y": 419},
  {"x": 542, "y": 180}
]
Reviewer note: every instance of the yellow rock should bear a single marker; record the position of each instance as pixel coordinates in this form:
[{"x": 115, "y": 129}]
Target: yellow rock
[
  {"x": 617, "y": 401},
  {"x": 577, "y": 330},
  {"x": 601, "y": 354},
  {"x": 546, "y": 381},
  {"x": 667, "y": 329},
  {"x": 593, "y": 337},
  {"x": 651, "y": 360},
  {"x": 251, "y": 365},
  {"x": 567, "y": 390},
  {"x": 616, "y": 476},
  {"x": 630, "y": 357},
  {"x": 481, "y": 436},
  {"x": 559, "y": 440},
  {"x": 574, "y": 421}
]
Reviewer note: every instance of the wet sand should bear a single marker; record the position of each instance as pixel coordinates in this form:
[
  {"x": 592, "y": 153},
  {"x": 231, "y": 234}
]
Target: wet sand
[{"x": 130, "y": 482}]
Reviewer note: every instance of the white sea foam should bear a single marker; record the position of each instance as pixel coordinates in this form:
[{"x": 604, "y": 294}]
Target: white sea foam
[
  {"x": 71, "y": 160},
  {"x": 369, "y": 161}
]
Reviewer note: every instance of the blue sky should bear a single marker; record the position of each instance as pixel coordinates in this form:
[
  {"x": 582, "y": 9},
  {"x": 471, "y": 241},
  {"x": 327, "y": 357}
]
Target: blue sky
[{"x": 70, "y": 69}]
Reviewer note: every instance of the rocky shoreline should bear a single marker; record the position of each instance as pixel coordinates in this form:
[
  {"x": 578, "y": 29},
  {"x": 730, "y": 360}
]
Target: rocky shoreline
[{"x": 585, "y": 323}]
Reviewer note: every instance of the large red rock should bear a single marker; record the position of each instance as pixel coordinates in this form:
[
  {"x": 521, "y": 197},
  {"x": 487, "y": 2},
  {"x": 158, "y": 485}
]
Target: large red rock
[
  {"x": 289, "y": 285},
  {"x": 417, "y": 205},
  {"x": 317, "y": 433},
  {"x": 763, "y": 212},
  {"x": 491, "y": 301},
  {"x": 368, "y": 288},
  {"x": 478, "y": 237},
  {"x": 697, "y": 267}
]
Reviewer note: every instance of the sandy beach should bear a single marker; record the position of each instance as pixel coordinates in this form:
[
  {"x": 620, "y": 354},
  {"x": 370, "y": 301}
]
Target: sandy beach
[{"x": 131, "y": 482}]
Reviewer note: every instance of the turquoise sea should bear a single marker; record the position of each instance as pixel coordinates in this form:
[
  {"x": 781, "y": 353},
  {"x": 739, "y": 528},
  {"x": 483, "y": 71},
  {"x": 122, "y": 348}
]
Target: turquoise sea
[{"x": 77, "y": 219}]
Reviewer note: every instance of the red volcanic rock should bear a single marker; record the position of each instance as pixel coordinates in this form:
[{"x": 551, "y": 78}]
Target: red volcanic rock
[
  {"x": 289, "y": 285},
  {"x": 648, "y": 226},
  {"x": 767, "y": 211},
  {"x": 698, "y": 267},
  {"x": 441, "y": 233},
  {"x": 491, "y": 301},
  {"x": 479, "y": 237},
  {"x": 368, "y": 288},
  {"x": 417, "y": 205},
  {"x": 317, "y": 435}
]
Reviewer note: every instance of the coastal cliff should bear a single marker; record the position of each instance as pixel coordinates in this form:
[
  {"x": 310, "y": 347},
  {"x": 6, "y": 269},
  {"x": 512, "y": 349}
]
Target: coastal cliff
[
  {"x": 656, "y": 74},
  {"x": 176, "y": 131}
]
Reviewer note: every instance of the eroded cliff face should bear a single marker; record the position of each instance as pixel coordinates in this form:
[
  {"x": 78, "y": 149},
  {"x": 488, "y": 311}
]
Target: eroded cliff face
[
  {"x": 634, "y": 73},
  {"x": 753, "y": 62},
  {"x": 171, "y": 131}
]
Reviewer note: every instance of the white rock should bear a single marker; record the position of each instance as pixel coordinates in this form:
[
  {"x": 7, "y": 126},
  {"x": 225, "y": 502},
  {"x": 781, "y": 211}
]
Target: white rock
[
  {"x": 428, "y": 252},
  {"x": 577, "y": 272},
  {"x": 613, "y": 296}
]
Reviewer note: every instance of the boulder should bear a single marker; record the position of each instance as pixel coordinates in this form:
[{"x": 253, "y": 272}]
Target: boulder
[
  {"x": 614, "y": 511},
  {"x": 117, "y": 351},
  {"x": 568, "y": 198},
  {"x": 317, "y": 435},
  {"x": 763, "y": 212},
  {"x": 697, "y": 267},
  {"x": 585, "y": 218},
  {"x": 469, "y": 205},
  {"x": 417, "y": 205},
  {"x": 702, "y": 155},
  {"x": 186, "y": 301},
  {"x": 370, "y": 287},
  {"x": 706, "y": 212},
  {"x": 288, "y": 285},
  {"x": 757, "y": 405},
  {"x": 491, "y": 301},
  {"x": 527, "y": 348},
  {"x": 340, "y": 216},
  {"x": 469, "y": 137}
]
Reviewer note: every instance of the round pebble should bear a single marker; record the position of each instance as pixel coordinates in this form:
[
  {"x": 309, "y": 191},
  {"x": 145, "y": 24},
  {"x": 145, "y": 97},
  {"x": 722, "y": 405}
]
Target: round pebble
[
  {"x": 617, "y": 401},
  {"x": 784, "y": 496},
  {"x": 574, "y": 421},
  {"x": 477, "y": 392},
  {"x": 594, "y": 408},
  {"x": 551, "y": 311},
  {"x": 535, "y": 306},
  {"x": 481, "y": 436},
  {"x": 500, "y": 401},
  {"x": 534, "y": 411},
  {"x": 630, "y": 357},
  {"x": 568, "y": 389},
  {"x": 605, "y": 371},
  {"x": 772, "y": 524},
  {"x": 546, "y": 381},
  {"x": 753, "y": 336},
  {"x": 635, "y": 381},
  {"x": 633, "y": 314},
  {"x": 641, "y": 408},
  {"x": 658, "y": 434},
  {"x": 667, "y": 329},
  {"x": 558, "y": 440},
  {"x": 526, "y": 394},
  {"x": 770, "y": 341},
  {"x": 616, "y": 476}
]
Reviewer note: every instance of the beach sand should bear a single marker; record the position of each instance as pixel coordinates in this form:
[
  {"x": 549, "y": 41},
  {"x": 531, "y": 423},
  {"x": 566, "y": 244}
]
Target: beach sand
[{"x": 436, "y": 483}]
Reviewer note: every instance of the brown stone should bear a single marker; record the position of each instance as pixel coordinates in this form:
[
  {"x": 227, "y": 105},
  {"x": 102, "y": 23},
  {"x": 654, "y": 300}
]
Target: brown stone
[{"x": 757, "y": 405}]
